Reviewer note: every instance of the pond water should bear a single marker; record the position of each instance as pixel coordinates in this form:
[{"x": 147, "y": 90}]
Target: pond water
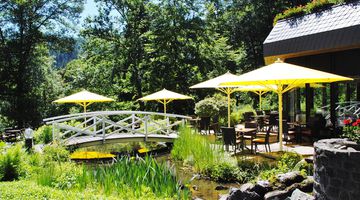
[{"x": 204, "y": 188}]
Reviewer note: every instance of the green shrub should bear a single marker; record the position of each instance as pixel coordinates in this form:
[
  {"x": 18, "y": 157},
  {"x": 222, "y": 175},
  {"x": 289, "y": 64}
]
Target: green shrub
[
  {"x": 206, "y": 107},
  {"x": 286, "y": 163},
  {"x": 43, "y": 134},
  {"x": 223, "y": 172},
  {"x": 63, "y": 175},
  {"x": 56, "y": 152},
  {"x": 12, "y": 163}
]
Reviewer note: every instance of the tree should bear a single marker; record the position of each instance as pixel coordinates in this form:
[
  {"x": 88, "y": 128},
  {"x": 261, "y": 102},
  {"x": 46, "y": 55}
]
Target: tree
[{"x": 25, "y": 27}]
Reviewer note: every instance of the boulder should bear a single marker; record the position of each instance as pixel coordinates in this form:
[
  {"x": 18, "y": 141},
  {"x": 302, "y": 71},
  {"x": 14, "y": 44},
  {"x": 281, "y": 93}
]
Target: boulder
[
  {"x": 261, "y": 188},
  {"x": 236, "y": 193},
  {"x": 305, "y": 186},
  {"x": 277, "y": 195},
  {"x": 290, "y": 178},
  {"x": 221, "y": 187},
  {"x": 246, "y": 187},
  {"x": 223, "y": 196},
  {"x": 299, "y": 195}
]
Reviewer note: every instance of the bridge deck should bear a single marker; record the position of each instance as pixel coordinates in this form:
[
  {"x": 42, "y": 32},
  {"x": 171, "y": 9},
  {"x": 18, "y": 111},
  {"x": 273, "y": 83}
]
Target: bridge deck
[{"x": 84, "y": 141}]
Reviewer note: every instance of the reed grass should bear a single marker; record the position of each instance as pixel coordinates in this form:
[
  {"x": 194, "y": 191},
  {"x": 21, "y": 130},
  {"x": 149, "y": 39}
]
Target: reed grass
[
  {"x": 198, "y": 151},
  {"x": 134, "y": 177}
]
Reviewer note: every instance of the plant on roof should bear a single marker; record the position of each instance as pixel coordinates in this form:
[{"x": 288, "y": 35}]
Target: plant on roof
[{"x": 311, "y": 7}]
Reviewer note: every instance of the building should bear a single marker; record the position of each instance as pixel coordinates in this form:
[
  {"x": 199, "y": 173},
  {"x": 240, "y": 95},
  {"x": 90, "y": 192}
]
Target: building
[{"x": 327, "y": 40}]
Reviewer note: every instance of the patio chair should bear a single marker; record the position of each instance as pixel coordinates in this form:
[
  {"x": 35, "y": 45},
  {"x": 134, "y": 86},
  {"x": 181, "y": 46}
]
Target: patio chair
[
  {"x": 288, "y": 135},
  {"x": 259, "y": 112},
  {"x": 248, "y": 137},
  {"x": 263, "y": 140},
  {"x": 229, "y": 138},
  {"x": 248, "y": 116}
]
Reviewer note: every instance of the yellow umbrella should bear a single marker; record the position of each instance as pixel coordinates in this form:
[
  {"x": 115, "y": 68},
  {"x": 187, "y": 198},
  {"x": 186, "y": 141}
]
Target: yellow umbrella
[
  {"x": 257, "y": 89},
  {"x": 215, "y": 83},
  {"x": 84, "y": 98},
  {"x": 164, "y": 96},
  {"x": 286, "y": 77},
  {"x": 260, "y": 89}
]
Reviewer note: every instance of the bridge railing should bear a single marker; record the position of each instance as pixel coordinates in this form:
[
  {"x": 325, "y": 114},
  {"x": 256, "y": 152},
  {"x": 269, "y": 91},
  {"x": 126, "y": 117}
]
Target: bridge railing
[{"x": 104, "y": 124}]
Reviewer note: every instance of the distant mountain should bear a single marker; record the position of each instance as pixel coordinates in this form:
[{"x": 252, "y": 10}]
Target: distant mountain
[{"x": 62, "y": 58}]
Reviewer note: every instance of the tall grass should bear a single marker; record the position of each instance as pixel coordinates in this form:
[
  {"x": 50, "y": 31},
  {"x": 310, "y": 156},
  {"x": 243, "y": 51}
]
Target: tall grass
[
  {"x": 198, "y": 151},
  {"x": 134, "y": 178}
]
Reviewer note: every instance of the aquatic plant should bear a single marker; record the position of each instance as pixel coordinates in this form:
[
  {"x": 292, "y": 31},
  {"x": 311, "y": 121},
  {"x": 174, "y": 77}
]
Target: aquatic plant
[{"x": 134, "y": 177}]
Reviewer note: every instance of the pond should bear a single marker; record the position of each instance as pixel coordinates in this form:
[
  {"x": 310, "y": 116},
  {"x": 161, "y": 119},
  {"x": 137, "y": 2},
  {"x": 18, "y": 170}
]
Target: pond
[{"x": 201, "y": 187}]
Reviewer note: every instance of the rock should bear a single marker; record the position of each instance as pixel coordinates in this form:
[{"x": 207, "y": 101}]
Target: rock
[
  {"x": 236, "y": 193},
  {"x": 221, "y": 187},
  {"x": 246, "y": 187},
  {"x": 310, "y": 159},
  {"x": 307, "y": 184},
  {"x": 277, "y": 195},
  {"x": 195, "y": 187},
  {"x": 261, "y": 188},
  {"x": 223, "y": 196},
  {"x": 299, "y": 195},
  {"x": 195, "y": 176},
  {"x": 290, "y": 178}
]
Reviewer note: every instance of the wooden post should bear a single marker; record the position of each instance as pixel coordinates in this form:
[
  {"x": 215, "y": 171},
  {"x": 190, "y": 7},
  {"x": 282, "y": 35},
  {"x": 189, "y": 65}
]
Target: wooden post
[
  {"x": 94, "y": 126},
  {"x": 358, "y": 91},
  {"x": 298, "y": 101},
  {"x": 309, "y": 101},
  {"x": 324, "y": 96},
  {"x": 333, "y": 100},
  {"x": 103, "y": 130},
  {"x": 146, "y": 127},
  {"x": 286, "y": 107},
  {"x": 133, "y": 123},
  {"x": 348, "y": 92}
]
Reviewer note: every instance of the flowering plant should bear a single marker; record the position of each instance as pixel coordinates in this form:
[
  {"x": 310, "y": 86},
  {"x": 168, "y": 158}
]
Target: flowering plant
[{"x": 352, "y": 130}]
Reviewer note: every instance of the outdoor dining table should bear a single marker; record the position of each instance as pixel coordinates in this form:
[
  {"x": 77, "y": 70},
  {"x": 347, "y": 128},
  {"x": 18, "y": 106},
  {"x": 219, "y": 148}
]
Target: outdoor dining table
[{"x": 241, "y": 132}]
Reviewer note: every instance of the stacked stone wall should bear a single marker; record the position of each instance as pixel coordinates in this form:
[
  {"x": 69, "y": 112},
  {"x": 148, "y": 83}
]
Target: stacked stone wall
[{"x": 336, "y": 170}]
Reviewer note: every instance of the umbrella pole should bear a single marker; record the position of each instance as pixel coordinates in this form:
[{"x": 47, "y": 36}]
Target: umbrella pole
[
  {"x": 260, "y": 94},
  {"x": 228, "y": 97},
  {"x": 164, "y": 106},
  {"x": 280, "y": 120}
]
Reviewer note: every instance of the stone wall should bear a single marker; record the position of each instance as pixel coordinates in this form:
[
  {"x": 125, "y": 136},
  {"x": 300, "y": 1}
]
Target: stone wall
[{"x": 336, "y": 170}]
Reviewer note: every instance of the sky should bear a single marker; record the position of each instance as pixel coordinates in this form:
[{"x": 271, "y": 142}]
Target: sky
[{"x": 89, "y": 9}]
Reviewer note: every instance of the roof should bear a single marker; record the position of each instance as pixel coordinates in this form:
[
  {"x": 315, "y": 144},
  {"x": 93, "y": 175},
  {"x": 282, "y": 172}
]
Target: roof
[{"x": 337, "y": 27}]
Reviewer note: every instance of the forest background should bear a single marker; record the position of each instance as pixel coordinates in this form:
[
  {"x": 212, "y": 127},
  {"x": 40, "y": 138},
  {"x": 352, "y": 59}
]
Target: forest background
[{"x": 128, "y": 49}]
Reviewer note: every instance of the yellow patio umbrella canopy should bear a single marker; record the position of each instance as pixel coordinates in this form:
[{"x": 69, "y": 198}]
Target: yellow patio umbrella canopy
[
  {"x": 84, "y": 98},
  {"x": 286, "y": 77},
  {"x": 257, "y": 89},
  {"x": 215, "y": 83},
  {"x": 164, "y": 96},
  {"x": 260, "y": 89}
]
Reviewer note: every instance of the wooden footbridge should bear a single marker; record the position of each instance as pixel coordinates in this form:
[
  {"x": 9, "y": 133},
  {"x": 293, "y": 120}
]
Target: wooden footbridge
[{"x": 106, "y": 127}]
